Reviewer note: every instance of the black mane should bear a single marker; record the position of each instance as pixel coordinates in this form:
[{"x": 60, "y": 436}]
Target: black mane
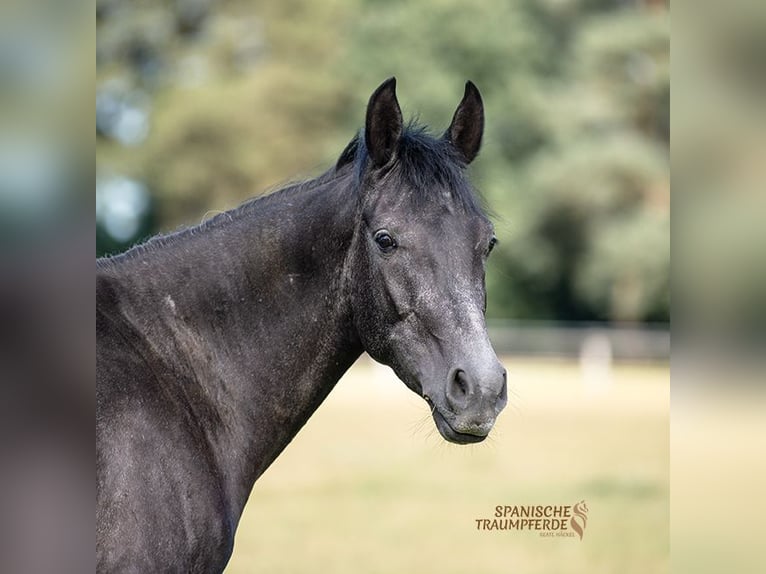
[
  {"x": 427, "y": 163},
  {"x": 423, "y": 161}
]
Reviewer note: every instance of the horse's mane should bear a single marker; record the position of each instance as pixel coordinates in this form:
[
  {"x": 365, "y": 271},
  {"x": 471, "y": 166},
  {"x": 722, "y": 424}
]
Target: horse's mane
[
  {"x": 161, "y": 240},
  {"x": 423, "y": 161}
]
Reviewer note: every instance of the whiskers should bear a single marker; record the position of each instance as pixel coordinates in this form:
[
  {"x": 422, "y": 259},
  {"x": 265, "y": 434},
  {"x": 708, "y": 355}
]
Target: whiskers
[
  {"x": 419, "y": 426},
  {"x": 425, "y": 427},
  {"x": 515, "y": 401}
]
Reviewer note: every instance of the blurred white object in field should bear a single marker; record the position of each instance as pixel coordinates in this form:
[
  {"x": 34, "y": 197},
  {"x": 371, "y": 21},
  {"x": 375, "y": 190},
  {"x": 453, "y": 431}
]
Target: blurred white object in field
[{"x": 596, "y": 363}]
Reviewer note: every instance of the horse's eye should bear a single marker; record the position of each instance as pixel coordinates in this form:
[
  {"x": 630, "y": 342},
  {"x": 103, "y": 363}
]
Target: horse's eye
[
  {"x": 492, "y": 243},
  {"x": 385, "y": 241}
]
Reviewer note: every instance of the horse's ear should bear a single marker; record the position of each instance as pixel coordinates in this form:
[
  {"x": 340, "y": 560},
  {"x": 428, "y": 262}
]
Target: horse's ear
[
  {"x": 384, "y": 124},
  {"x": 467, "y": 125}
]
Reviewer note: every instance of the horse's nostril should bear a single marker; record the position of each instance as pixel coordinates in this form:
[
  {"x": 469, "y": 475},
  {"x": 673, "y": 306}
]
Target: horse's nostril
[
  {"x": 461, "y": 382},
  {"x": 459, "y": 390}
]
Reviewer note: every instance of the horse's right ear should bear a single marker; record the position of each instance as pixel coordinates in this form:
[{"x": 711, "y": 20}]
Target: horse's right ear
[{"x": 384, "y": 123}]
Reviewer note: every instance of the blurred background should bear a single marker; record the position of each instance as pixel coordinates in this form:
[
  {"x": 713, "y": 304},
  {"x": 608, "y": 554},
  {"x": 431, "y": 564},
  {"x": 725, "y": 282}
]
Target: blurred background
[
  {"x": 719, "y": 277},
  {"x": 201, "y": 104}
]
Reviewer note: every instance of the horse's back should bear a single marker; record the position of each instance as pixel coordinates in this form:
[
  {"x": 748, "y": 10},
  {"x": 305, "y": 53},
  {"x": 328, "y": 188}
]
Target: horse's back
[{"x": 160, "y": 506}]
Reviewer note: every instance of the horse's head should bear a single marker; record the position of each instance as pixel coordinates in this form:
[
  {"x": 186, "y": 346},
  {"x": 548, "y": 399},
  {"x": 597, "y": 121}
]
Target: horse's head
[{"x": 417, "y": 264}]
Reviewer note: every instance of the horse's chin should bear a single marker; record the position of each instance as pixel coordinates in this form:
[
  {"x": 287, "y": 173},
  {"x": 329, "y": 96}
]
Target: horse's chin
[{"x": 450, "y": 434}]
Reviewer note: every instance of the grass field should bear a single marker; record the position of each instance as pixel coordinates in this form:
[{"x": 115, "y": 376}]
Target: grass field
[{"x": 369, "y": 486}]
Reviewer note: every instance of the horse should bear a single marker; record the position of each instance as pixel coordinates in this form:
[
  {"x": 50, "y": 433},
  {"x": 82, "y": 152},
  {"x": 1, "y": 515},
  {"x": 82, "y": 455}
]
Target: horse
[{"x": 217, "y": 343}]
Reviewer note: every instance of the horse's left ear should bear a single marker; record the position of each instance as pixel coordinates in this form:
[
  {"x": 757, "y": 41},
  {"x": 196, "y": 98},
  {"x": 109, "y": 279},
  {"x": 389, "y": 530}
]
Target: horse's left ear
[{"x": 467, "y": 125}]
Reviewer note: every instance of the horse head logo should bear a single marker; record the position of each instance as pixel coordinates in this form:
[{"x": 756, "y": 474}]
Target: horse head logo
[{"x": 580, "y": 518}]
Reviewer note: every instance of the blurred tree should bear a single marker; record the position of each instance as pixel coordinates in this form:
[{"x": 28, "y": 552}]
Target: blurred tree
[{"x": 575, "y": 161}]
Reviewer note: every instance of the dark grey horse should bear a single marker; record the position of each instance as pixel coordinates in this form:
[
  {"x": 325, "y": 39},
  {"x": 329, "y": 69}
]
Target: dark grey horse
[{"x": 217, "y": 343}]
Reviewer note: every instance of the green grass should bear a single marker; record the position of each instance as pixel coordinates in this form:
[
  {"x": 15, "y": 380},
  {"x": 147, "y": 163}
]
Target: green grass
[{"x": 369, "y": 486}]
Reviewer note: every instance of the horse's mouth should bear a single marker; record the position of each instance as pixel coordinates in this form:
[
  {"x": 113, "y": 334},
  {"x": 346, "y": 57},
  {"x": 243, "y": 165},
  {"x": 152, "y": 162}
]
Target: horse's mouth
[{"x": 446, "y": 430}]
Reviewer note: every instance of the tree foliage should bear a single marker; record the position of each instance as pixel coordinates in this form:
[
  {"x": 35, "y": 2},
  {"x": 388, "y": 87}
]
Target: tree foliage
[{"x": 575, "y": 159}]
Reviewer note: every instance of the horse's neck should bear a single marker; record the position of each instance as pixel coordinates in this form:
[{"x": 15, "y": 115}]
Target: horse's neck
[{"x": 253, "y": 311}]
